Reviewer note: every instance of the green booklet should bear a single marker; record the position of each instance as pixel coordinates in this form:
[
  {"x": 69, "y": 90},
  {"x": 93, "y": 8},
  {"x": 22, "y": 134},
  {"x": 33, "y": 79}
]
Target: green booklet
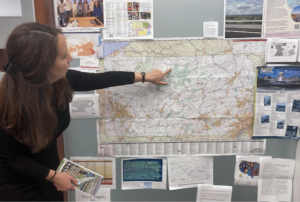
[{"x": 88, "y": 181}]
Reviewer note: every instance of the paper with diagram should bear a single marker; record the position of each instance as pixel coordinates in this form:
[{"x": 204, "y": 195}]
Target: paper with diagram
[
  {"x": 247, "y": 169},
  {"x": 189, "y": 171},
  {"x": 84, "y": 106}
]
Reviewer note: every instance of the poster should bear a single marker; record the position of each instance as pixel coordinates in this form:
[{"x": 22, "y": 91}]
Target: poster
[
  {"x": 128, "y": 20},
  {"x": 282, "y": 19},
  {"x": 277, "y": 102}
]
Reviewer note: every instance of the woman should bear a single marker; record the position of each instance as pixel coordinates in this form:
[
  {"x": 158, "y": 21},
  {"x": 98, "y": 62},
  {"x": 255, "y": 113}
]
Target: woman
[
  {"x": 34, "y": 110},
  {"x": 85, "y": 8},
  {"x": 98, "y": 11},
  {"x": 80, "y": 9},
  {"x": 74, "y": 9}
]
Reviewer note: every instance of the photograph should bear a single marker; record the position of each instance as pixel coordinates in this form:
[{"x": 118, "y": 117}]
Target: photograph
[
  {"x": 280, "y": 124},
  {"x": 79, "y": 13},
  {"x": 280, "y": 107},
  {"x": 243, "y": 19},
  {"x": 265, "y": 119},
  {"x": 279, "y": 79},
  {"x": 296, "y": 14},
  {"x": 267, "y": 100},
  {"x": 145, "y": 15},
  {"x": 291, "y": 131},
  {"x": 296, "y": 106},
  {"x": 129, "y": 6},
  {"x": 133, "y": 15},
  {"x": 136, "y": 6}
]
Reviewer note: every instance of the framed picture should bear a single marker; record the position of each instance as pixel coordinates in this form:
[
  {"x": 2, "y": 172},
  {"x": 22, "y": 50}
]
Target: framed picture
[{"x": 79, "y": 15}]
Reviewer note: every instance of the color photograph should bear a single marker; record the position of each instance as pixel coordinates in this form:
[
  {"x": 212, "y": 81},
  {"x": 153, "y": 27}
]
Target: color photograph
[
  {"x": 146, "y": 15},
  {"x": 79, "y": 13},
  {"x": 291, "y": 131},
  {"x": 243, "y": 19},
  {"x": 133, "y": 15},
  {"x": 296, "y": 106},
  {"x": 136, "y": 6},
  {"x": 296, "y": 14},
  {"x": 129, "y": 6},
  {"x": 267, "y": 100},
  {"x": 265, "y": 119},
  {"x": 280, "y": 124}
]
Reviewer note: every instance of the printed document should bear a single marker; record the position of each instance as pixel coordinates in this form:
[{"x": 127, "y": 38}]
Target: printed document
[
  {"x": 102, "y": 195},
  {"x": 210, "y": 29},
  {"x": 189, "y": 171},
  {"x": 207, "y": 192},
  {"x": 275, "y": 183},
  {"x": 84, "y": 106}
]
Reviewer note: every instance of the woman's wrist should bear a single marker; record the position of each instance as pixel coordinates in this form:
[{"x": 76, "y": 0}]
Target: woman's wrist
[{"x": 51, "y": 175}]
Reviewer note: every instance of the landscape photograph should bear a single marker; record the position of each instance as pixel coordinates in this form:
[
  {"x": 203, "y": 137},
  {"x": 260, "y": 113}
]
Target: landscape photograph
[{"x": 243, "y": 19}]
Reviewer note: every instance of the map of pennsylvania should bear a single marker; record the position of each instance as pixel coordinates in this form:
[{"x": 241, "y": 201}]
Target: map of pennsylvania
[
  {"x": 209, "y": 95},
  {"x": 82, "y": 45}
]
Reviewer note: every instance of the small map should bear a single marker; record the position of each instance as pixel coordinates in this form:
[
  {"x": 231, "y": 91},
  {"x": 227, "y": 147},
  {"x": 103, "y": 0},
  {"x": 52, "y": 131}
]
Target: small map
[
  {"x": 249, "y": 168},
  {"x": 142, "y": 170},
  {"x": 139, "y": 28},
  {"x": 82, "y": 45},
  {"x": 282, "y": 49}
]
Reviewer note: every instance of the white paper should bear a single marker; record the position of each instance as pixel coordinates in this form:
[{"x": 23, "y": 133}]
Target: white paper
[
  {"x": 277, "y": 169},
  {"x": 210, "y": 29},
  {"x": 186, "y": 172},
  {"x": 207, "y": 192},
  {"x": 89, "y": 63},
  {"x": 275, "y": 183},
  {"x": 184, "y": 148},
  {"x": 1, "y": 75},
  {"x": 102, "y": 195},
  {"x": 296, "y": 181},
  {"x": 274, "y": 190},
  {"x": 11, "y": 8},
  {"x": 282, "y": 50},
  {"x": 104, "y": 166},
  {"x": 84, "y": 106},
  {"x": 146, "y": 173}
]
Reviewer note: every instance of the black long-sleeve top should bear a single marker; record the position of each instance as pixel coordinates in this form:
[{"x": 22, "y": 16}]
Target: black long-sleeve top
[{"x": 22, "y": 174}]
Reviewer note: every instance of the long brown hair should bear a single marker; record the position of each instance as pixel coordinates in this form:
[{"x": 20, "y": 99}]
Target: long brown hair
[{"x": 28, "y": 101}]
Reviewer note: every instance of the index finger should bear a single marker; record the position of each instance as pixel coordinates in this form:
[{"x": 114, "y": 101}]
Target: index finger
[{"x": 167, "y": 72}]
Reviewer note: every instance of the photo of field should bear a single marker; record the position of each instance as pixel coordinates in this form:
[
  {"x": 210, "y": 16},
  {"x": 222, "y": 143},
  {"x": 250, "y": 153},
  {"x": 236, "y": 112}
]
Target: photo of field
[
  {"x": 296, "y": 14},
  {"x": 243, "y": 19}
]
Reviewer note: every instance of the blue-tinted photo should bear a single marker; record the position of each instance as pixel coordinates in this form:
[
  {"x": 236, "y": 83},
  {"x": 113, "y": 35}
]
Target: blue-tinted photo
[
  {"x": 267, "y": 100},
  {"x": 291, "y": 131},
  {"x": 143, "y": 170},
  {"x": 265, "y": 119},
  {"x": 280, "y": 124},
  {"x": 296, "y": 106},
  {"x": 280, "y": 107}
]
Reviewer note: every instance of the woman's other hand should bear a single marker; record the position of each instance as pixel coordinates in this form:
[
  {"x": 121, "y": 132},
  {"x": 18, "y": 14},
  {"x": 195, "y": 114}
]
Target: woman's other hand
[{"x": 63, "y": 182}]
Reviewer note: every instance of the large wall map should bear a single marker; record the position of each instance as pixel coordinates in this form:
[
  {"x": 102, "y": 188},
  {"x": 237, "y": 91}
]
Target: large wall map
[{"x": 209, "y": 95}]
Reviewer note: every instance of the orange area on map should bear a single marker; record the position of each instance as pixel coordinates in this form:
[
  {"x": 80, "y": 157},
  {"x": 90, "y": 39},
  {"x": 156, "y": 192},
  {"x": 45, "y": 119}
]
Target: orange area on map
[{"x": 84, "y": 50}]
